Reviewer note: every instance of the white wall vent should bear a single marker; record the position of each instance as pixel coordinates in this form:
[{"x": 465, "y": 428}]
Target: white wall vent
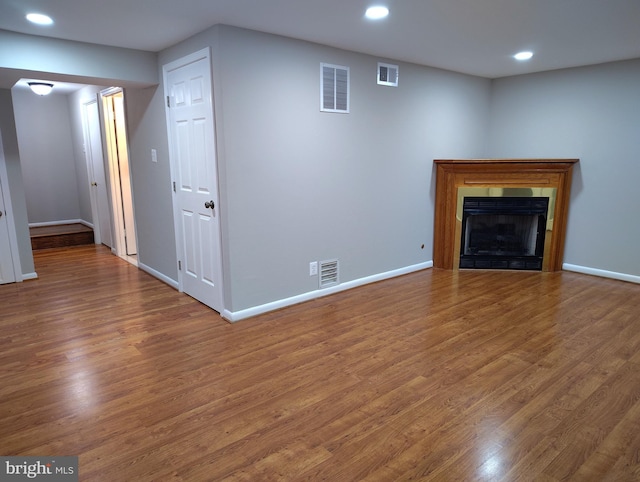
[
  {"x": 387, "y": 74},
  {"x": 334, "y": 88},
  {"x": 329, "y": 273}
]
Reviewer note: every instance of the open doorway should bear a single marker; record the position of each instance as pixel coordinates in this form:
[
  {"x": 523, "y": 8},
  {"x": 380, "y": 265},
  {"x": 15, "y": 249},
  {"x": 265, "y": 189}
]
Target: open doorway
[{"x": 117, "y": 150}]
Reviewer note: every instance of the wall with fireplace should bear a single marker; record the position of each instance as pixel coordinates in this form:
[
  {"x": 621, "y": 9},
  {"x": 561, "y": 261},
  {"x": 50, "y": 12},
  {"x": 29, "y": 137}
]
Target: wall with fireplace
[{"x": 590, "y": 113}]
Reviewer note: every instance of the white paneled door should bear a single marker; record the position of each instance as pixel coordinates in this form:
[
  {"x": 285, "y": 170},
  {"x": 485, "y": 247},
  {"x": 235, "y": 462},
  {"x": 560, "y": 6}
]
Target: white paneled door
[
  {"x": 192, "y": 144},
  {"x": 97, "y": 177}
]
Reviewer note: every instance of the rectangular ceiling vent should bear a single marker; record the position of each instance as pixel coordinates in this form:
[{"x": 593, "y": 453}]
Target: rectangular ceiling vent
[
  {"x": 387, "y": 74},
  {"x": 334, "y": 88},
  {"x": 329, "y": 273}
]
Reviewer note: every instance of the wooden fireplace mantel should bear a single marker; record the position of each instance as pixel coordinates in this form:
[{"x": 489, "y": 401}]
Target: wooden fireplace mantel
[{"x": 452, "y": 174}]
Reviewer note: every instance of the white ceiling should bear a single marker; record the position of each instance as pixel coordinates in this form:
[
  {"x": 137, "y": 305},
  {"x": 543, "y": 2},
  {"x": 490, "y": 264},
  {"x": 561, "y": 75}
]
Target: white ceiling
[{"x": 475, "y": 37}]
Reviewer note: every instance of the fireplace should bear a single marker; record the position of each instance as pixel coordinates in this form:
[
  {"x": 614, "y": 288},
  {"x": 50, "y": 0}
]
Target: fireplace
[
  {"x": 501, "y": 213},
  {"x": 503, "y": 232}
]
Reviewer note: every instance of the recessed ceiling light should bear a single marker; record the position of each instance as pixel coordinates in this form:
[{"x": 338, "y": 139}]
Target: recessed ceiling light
[
  {"x": 376, "y": 13},
  {"x": 39, "y": 19},
  {"x": 523, "y": 55}
]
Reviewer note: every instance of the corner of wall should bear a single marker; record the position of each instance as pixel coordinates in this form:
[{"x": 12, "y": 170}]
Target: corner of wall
[{"x": 12, "y": 159}]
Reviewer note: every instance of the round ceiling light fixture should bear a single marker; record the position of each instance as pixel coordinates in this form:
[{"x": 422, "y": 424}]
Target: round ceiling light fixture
[
  {"x": 523, "y": 55},
  {"x": 39, "y": 19},
  {"x": 377, "y": 12},
  {"x": 41, "y": 88}
]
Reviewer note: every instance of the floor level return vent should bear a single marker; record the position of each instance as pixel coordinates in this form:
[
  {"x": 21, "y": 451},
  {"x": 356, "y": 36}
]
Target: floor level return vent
[{"x": 329, "y": 273}]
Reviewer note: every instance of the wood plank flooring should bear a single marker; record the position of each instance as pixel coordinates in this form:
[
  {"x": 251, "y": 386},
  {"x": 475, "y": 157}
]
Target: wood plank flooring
[{"x": 436, "y": 375}]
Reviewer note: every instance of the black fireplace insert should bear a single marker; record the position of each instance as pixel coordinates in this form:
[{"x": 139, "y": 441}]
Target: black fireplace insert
[{"x": 503, "y": 232}]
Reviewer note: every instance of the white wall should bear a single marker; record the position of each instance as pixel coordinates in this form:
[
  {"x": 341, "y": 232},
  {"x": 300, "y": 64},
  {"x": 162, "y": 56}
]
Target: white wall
[
  {"x": 298, "y": 185},
  {"x": 84, "y": 62},
  {"x": 592, "y": 113},
  {"x": 151, "y": 182},
  {"x": 47, "y": 157},
  {"x": 12, "y": 160}
]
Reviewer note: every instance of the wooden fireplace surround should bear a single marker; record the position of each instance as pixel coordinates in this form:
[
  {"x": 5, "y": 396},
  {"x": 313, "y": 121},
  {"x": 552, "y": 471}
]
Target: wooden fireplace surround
[{"x": 506, "y": 173}]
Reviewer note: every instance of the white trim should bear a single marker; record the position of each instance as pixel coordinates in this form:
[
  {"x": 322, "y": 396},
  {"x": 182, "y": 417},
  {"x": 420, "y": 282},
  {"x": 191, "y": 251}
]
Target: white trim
[
  {"x": 11, "y": 222},
  {"x": 27, "y": 276},
  {"x": 60, "y": 223},
  {"x": 156, "y": 274},
  {"x": 234, "y": 316},
  {"x": 120, "y": 185},
  {"x": 601, "y": 273}
]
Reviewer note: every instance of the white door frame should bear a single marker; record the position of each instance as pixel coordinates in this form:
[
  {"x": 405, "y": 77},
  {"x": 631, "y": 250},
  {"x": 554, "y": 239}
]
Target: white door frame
[
  {"x": 116, "y": 187},
  {"x": 11, "y": 222},
  {"x": 204, "y": 53}
]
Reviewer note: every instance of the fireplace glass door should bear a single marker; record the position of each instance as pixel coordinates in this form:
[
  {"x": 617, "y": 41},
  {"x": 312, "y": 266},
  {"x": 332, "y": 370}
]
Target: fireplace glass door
[{"x": 503, "y": 232}]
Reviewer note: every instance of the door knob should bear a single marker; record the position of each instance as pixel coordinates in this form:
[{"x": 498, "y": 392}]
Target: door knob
[{"x": 209, "y": 205}]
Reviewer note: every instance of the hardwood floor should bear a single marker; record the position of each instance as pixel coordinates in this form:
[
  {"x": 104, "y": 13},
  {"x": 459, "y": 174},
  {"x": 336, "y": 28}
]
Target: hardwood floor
[{"x": 435, "y": 375}]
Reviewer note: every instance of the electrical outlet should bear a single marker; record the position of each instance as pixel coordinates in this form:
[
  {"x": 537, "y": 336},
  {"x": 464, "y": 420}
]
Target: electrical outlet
[{"x": 313, "y": 268}]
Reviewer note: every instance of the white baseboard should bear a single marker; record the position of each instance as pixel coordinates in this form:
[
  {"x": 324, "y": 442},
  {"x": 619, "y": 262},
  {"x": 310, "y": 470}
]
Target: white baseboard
[
  {"x": 234, "y": 316},
  {"x": 59, "y": 223},
  {"x": 26, "y": 276},
  {"x": 157, "y": 274},
  {"x": 601, "y": 272}
]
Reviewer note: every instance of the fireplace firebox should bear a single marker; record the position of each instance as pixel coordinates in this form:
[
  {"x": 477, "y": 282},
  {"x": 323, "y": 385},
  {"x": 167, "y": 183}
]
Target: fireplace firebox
[{"x": 503, "y": 232}]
